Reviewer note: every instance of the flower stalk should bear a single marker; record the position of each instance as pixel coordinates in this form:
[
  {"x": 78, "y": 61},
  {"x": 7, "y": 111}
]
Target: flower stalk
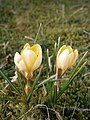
[{"x": 27, "y": 88}]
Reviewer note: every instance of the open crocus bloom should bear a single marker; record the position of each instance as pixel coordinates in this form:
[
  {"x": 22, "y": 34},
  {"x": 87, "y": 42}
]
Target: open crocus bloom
[
  {"x": 66, "y": 58},
  {"x": 29, "y": 59}
]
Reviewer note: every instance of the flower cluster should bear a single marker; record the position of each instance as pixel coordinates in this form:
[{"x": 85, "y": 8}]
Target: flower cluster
[{"x": 30, "y": 59}]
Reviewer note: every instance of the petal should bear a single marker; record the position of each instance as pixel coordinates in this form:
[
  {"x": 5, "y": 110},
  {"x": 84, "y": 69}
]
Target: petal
[
  {"x": 17, "y": 58},
  {"x": 29, "y": 58},
  {"x": 75, "y": 56},
  {"x": 62, "y": 60},
  {"x": 21, "y": 66},
  {"x": 62, "y": 49},
  {"x": 38, "y": 51},
  {"x": 36, "y": 48},
  {"x": 71, "y": 57},
  {"x": 70, "y": 49},
  {"x": 26, "y": 47}
]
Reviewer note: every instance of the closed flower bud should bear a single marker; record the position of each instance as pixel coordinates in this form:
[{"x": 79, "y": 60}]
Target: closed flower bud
[
  {"x": 66, "y": 58},
  {"x": 29, "y": 59}
]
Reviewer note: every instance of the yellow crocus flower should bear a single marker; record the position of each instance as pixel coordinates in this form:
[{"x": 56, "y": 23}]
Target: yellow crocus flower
[
  {"x": 29, "y": 59},
  {"x": 66, "y": 58}
]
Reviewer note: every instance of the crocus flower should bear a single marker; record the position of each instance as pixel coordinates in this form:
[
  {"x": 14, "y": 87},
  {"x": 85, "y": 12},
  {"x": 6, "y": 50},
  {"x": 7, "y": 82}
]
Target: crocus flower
[
  {"x": 66, "y": 58},
  {"x": 29, "y": 59}
]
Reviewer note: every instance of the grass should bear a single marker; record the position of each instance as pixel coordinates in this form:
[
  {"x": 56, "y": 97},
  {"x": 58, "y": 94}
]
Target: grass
[{"x": 45, "y": 21}]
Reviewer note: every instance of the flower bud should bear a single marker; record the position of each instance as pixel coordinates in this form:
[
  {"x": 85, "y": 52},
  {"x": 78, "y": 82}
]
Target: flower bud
[
  {"x": 66, "y": 58},
  {"x": 29, "y": 59}
]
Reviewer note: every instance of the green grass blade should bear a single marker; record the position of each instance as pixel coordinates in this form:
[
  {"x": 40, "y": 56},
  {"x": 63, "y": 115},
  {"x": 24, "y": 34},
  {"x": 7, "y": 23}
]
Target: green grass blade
[
  {"x": 9, "y": 82},
  {"x": 55, "y": 95},
  {"x": 69, "y": 81},
  {"x": 75, "y": 69},
  {"x": 45, "y": 81}
]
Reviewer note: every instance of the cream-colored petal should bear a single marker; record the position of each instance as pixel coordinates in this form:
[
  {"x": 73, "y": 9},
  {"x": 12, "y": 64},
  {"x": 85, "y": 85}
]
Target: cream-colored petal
[
  {"x": 21, "y": 66},
  {"x": 26, "y": 47},
  {"x": 71, "y": 57},
  {"x": 61, "y": 50},
  {"x": 37, "y": 49},
  {"x": 29, "y": 58},
  {"x": 75, "y": 56},
  {"x": 70, "y": 49},
  {"x": 62, "y": 60},
  {"x": 17, "y": 58}
]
